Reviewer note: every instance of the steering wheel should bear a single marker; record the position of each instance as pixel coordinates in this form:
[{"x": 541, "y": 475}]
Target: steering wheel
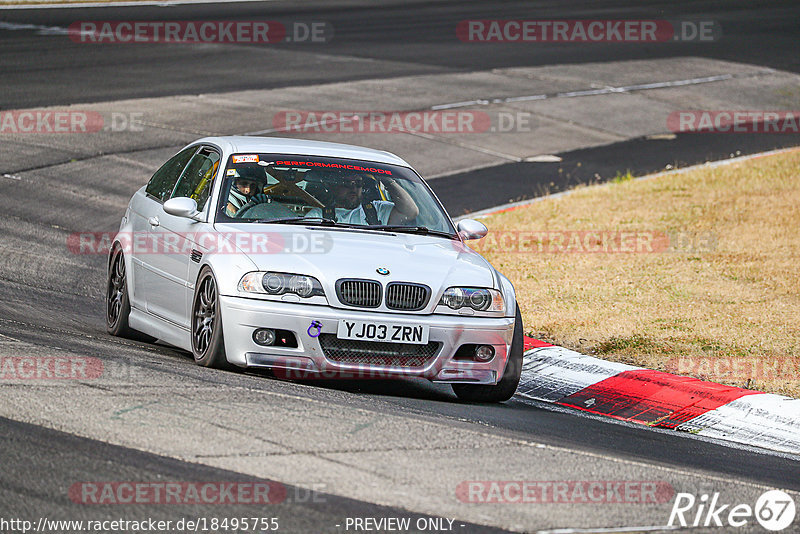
[{"x": 260, "y": 207}]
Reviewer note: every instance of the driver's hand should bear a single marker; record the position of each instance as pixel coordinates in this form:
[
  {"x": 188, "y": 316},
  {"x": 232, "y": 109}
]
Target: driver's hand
[{"x": 259, "y": 199}]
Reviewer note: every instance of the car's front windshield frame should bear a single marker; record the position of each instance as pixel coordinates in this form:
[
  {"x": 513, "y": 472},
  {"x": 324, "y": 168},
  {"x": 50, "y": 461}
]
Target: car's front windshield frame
[{"x": 277, "y": 176}]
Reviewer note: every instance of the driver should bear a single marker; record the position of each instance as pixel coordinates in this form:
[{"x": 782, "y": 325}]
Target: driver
[
  {"x": 349, "y": 207},
  {"x": 249, "y": 183}
]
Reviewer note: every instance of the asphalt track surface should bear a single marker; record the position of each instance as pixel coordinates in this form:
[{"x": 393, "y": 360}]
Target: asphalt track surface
[
  {"x": 29, "y": 482},
  {"x": 54, "y": 304},
  {"x": 417, "y": 37}
]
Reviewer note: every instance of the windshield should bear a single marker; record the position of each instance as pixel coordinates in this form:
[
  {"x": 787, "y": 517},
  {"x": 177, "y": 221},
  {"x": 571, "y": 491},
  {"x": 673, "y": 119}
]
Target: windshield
[{"x": 319, "y": 190}]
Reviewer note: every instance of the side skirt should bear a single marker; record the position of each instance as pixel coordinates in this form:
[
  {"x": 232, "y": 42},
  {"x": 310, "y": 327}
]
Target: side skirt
[{"x": 160, "y": 328}]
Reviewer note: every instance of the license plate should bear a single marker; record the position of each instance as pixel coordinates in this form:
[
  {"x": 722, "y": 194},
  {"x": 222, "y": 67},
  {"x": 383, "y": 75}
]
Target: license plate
[{"x": 383, "y": 332}]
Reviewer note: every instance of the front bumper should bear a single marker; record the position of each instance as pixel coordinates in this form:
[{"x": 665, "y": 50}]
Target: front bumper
[{"x": 242, "y": 316}]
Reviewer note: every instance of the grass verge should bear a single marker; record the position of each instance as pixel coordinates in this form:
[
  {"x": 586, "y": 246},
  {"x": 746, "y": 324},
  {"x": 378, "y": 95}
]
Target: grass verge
[{"x": 695, "y": 273}]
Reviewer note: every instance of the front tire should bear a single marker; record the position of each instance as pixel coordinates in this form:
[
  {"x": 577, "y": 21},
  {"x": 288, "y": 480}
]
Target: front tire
[
  {"x": 118, "y": 304},
  {"x": 208, "y": 343},
  {"x": 507, "y": 386}
]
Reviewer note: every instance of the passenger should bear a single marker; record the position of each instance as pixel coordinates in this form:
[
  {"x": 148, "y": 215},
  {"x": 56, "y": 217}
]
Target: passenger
[{"x": 350, "y": 207}]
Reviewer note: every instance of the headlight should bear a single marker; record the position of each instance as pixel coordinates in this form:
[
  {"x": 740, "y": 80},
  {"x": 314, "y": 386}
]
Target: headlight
[
  {"x": 281, "y": 284},
  {"x": 478, "y": 299}
]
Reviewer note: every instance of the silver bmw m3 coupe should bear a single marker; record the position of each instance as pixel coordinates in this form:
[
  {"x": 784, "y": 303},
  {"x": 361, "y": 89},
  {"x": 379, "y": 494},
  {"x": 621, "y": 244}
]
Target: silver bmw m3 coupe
[{"x": 314, "y": 260}]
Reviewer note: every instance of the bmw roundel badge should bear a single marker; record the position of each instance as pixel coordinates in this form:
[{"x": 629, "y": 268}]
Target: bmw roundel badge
[{"x": 382, "y": 270}]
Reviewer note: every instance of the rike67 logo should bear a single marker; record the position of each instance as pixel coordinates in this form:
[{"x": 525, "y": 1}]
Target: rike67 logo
[{"x": 774, "y": 510}]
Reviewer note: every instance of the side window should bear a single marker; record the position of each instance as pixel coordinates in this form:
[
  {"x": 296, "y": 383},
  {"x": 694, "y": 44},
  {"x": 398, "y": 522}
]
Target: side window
[
  {"x": 163, "y": 181},
  {"x": 198, "y": 178}
]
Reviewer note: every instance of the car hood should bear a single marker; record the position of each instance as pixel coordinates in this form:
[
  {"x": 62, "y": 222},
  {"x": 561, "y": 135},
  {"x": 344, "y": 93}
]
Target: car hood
[{"x": 329, "y": 254}]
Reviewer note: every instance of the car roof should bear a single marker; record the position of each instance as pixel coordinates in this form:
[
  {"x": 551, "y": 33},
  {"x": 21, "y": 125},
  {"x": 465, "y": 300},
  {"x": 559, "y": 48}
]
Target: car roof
[{"x": 285, "y": 145}]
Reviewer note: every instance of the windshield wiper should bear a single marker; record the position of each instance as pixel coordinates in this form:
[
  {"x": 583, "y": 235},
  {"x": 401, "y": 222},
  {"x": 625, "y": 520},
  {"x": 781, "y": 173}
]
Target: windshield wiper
[
  {"x": 420, "y": 230},
  {"x": 322, "y": 221},
  {"x": 313, "y": 221}
]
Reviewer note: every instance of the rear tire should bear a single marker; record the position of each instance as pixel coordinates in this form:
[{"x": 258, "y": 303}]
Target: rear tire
[
  {"x": 507, "y": 385},
  {"x": 118, "y": 304},
  {"x": 208, "y": 342}
]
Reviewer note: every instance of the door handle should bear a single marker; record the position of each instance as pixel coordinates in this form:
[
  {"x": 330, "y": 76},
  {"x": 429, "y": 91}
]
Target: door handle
[{"x": 153, "y": 221}]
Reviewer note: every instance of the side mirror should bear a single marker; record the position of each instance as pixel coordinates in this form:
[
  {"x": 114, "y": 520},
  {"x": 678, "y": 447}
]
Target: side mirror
[
  {"x": 471, "y": 229},
  {"x": 182, "y": 207}
]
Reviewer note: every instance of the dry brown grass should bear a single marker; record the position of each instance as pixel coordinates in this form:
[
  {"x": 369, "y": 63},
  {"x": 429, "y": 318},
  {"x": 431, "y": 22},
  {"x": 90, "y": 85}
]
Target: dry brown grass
[{"x": 727, "y": 311}]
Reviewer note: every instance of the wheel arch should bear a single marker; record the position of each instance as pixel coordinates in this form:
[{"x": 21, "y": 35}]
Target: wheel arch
[
  {"x": 509, "y": 294},
  {"x": 227, "y": 269}
]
